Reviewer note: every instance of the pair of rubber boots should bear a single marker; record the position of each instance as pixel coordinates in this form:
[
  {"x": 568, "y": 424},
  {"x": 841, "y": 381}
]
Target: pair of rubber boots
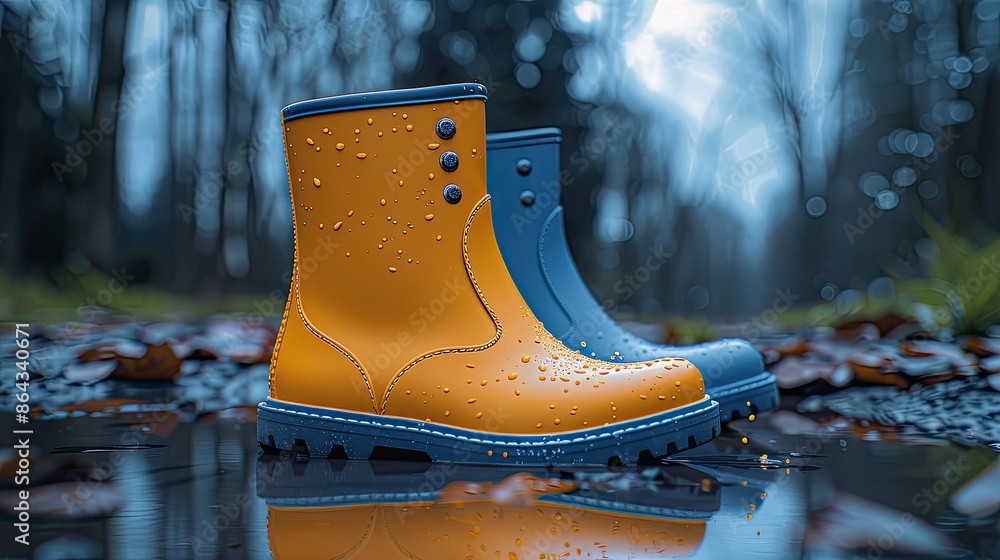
[{"x": 415, "y": 315}]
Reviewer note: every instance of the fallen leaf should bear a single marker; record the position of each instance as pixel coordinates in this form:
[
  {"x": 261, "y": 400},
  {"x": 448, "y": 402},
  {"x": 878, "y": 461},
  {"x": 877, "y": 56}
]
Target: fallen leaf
[
  {"x": 982, "y": 346},
  {"x": 885, "y": 324},
  {"x": 790, "y": 346},
  {"x": 517, "y": 489},
  {"x": 158, "y": 364}
]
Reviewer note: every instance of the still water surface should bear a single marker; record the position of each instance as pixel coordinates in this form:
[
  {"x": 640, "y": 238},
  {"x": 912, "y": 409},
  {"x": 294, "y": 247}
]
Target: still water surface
[{"x": 151, "y": 485}]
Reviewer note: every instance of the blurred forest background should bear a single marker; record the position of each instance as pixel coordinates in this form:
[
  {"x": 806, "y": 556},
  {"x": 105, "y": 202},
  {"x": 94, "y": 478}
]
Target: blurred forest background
[{"x": 779, "y": 150}]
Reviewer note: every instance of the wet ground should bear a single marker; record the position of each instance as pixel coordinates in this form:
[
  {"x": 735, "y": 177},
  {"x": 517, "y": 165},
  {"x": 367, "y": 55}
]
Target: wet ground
[
  {"x": 143, "y": 446},
  {"x": 152, "y": 483}
]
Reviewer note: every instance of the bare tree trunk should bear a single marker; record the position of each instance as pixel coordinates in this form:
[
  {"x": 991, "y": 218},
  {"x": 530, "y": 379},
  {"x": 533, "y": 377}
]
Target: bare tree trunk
[{"x": 104, "y": 220}]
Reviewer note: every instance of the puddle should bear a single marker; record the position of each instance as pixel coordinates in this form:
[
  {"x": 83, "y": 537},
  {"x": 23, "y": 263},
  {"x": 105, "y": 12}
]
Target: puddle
[{"x": 117, "y": 486}]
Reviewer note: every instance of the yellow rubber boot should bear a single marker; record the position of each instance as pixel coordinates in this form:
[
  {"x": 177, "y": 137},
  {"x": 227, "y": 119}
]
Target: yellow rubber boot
[{"x": 403, "y": 327}]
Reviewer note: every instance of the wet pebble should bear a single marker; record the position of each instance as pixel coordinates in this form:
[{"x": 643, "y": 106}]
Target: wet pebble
[
  {"x": 960, "y": 408},
  {"x": 991, "y": 364},
  {"x": 994, "y": 381},
  {"x": 89, "y": 373}
]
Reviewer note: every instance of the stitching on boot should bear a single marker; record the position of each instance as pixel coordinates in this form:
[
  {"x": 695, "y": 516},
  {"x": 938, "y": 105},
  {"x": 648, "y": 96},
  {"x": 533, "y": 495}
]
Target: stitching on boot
[
  {"x": 295, "y": 285},
  {"x": 482, "y": 298},
  {"x": 545, "y": 271},
  {"x": 705, "y": 405},
  {"x": 277, "y": 342},
  {"x": 316, "y": 332}
]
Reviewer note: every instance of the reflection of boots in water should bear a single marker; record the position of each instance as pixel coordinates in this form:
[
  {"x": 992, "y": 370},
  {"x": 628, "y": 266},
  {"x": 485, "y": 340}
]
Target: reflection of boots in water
[
  {"x": 404, "y": 328},
  {"x": 524, "y": 182},
  {"x": 522, "y": 516}
]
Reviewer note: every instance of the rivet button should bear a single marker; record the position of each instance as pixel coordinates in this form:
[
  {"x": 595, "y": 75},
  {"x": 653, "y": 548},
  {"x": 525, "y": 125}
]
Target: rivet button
[
  {"x": 445, "y": 128},
  {"x": 449, "y": 161},
  {"x": 452, "y": 193}
]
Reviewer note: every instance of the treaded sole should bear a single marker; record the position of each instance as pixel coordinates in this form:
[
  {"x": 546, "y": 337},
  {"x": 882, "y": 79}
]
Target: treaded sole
[
  {"x": 761, "y": 392},
  {"x": 330, "y": 433}
]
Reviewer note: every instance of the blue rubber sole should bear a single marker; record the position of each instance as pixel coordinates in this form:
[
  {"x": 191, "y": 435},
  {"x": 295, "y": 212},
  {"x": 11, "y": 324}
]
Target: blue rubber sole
[
  {"x": 329, "y": 433},
  {"x": 760, "y": 391}
]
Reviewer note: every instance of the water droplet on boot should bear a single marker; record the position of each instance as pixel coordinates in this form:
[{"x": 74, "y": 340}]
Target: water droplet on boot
[
  {"x": 392, "y": 269},
  {"x": 433, "y": 146},
  {"x": 371, "y": 120},
  {"x": 429, "y": 217},
  {"x": 316, "y": 181},
  {"x": 310, "y": 141},
  {"x": 337, "y": 225},
  {"x": 382, "y": 202},
  {"x": 340, "y": 145},
  {"x": 362, "y": 155}
]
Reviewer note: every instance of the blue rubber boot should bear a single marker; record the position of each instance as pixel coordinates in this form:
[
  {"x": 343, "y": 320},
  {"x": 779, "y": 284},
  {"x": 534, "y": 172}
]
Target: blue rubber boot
[{"x": 523, "y": 178}]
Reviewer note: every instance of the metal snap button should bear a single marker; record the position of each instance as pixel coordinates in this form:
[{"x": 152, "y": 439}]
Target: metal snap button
[
  {"x": 452, "y": 193},
  {"x": 449, "y": 161},
  {"x": 445, "y": 128}
]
